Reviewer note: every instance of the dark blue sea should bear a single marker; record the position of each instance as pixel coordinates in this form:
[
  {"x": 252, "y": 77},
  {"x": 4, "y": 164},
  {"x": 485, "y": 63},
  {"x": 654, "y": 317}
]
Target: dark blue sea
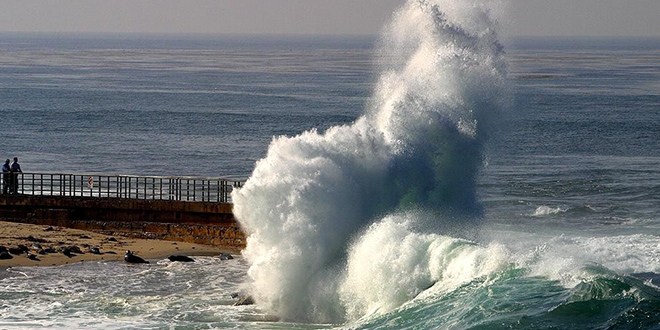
[
  {"x": 171, "y": 105},
  {"x": 565, "y": 186}
]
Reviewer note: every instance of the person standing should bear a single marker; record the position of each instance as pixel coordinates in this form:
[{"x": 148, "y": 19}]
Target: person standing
[
  {"x": 15, "y": 169},
  {"x": 6, "y": 177}
]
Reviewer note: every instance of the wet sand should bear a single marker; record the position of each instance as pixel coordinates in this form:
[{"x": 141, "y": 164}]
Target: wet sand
[{"x": 56, "y": 239}]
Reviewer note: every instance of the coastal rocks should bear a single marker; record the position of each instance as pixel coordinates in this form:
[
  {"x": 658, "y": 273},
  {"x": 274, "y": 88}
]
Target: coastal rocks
[
  {"x": 49, "y": 250},
  {"x": 133, "y": 259},
  {"x": 4, "y": 255},
  {"x": 75, "y": 249},
  {"x": 243, "y": 300},
  {"x": 35, "y": 239},
  {"x": 69, "y": 250},
  {"x": 38, "y": 246},
  {"x": 65, "y": 251},
  {"x": 180, "y": 258},
  {"x": 18, "y": 250},
  {"x": 225, "y": 256}
]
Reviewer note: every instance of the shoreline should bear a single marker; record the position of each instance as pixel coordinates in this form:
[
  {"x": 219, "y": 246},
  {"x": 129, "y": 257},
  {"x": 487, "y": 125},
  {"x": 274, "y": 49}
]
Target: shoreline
[{"x": 47, "y": 244}]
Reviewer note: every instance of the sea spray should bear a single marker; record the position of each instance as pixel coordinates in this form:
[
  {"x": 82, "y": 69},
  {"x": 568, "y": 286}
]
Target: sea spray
[
  {"x": 314, "y": 201},
  {"x": 391, "y": 263}
]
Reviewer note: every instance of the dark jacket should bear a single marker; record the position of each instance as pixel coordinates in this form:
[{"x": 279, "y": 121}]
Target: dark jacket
[{"x": 15, "y": 167}]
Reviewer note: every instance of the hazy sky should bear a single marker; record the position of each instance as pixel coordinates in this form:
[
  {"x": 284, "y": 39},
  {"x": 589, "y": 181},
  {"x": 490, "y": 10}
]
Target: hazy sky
[{"x": 526, "y": 17}]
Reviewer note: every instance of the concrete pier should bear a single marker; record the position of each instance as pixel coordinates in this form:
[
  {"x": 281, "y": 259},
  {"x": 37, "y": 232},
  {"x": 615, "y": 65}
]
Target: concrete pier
[{"x": 198, "y": 221}]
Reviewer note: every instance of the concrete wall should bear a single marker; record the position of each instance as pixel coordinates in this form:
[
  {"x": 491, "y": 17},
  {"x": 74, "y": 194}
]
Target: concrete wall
[{"x": 198, "y": 222}]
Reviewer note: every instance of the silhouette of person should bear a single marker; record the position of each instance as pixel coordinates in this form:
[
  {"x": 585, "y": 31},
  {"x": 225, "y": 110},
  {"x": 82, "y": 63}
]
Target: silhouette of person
[
  {"x": 15, "y": 169},
  {"x": 6, "y": 177}
]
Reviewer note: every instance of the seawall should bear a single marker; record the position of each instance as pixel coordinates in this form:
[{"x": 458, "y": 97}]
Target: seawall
[{"x": 209, "y": 223}]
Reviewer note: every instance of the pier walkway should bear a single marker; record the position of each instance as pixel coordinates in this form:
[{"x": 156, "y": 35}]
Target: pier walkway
[
  {"x": 176, "y": 188},
  {"x": 187, "y": 209}
]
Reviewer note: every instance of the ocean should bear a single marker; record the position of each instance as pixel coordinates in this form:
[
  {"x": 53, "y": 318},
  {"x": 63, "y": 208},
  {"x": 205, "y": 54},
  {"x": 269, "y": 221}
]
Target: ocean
[{"x": 435, "y": 177}]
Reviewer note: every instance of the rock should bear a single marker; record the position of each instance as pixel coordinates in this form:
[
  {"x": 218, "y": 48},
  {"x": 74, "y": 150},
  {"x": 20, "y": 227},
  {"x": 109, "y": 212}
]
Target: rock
[
  {"x": 244, "y": 301},
  {"x": 131, "y": 258},
  {"x": 225, "y": 256},
  {"x": 75, "y": 249},
  {"x": 4, "y": 255},
  {"x": 180, "y": 258},
  {"x": 18, "y": 250},
  {"x": 94, "y": 250},
  {"x": 67, "y": 251},
  {"x": 35, "y": 239}
]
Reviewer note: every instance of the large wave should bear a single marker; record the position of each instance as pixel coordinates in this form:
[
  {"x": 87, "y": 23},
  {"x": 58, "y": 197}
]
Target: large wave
[{"x": 361, "y": 218}]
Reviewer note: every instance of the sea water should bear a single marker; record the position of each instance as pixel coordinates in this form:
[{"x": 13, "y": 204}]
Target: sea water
[{"x": 434, "y": 177}]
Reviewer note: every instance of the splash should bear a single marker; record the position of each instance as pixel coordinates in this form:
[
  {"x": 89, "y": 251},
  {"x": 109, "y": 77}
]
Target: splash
[
  {"x": 319, "y": 205},
  {"x": 544, "y": 210}
]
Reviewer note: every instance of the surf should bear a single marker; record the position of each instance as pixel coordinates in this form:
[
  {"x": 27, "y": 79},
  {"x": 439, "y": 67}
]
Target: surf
[{"x": 322, "y": 207}]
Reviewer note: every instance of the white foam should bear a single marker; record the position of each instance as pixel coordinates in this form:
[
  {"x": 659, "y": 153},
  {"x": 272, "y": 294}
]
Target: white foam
[
  {"x": 114, "y": 295},
  {"x": 544, "y": 210},
  {"x": 568, "y": 259},
  {"x": 391, "y": 264},
  {"x": 418, "y": 146}
]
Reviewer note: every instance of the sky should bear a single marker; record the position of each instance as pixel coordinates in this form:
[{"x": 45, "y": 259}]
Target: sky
[{"x": 524, "y": 18}]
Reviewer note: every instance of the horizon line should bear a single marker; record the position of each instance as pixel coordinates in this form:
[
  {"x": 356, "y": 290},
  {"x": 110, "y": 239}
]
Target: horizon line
[{"x": 356, "y": 35}]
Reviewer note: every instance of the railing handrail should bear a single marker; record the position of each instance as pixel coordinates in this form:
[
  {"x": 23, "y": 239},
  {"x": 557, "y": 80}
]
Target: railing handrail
[
  {"x": 138, "y": 176},
  {"x": 182, "y": 188}
]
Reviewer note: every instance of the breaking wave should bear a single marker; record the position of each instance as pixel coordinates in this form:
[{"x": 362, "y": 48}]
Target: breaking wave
[{"x": 361, "y": 218}]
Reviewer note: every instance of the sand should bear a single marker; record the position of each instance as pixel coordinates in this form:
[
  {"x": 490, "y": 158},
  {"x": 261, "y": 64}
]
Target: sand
[{"x": 111, "y": 248}]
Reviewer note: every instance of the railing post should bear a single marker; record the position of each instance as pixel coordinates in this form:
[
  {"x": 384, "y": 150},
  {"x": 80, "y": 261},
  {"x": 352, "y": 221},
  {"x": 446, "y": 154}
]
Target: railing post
[
  {"x": 222, "y": 191},
  {"x": 194, "y": 192},
  {"x": 179, "y": 189},
  {"x": 125, "y": 186},
  {"x": 218, "y": 196}
]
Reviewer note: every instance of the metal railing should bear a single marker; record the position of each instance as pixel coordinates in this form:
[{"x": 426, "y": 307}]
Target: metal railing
[{"x": 121, "y": 186}]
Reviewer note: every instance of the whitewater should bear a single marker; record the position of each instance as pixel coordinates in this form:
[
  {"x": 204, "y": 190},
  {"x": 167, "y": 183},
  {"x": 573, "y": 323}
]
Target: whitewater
[
  {"x": 319, "y": 206},
  {"x": 350, "y": 224}
]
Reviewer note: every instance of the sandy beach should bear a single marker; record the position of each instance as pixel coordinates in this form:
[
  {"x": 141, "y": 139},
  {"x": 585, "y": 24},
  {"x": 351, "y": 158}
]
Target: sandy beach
[{"x": 47, "y": 243}]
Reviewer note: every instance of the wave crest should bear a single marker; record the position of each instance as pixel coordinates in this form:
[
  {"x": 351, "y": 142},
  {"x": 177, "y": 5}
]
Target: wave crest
[{"x": 418, "y": 147}]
